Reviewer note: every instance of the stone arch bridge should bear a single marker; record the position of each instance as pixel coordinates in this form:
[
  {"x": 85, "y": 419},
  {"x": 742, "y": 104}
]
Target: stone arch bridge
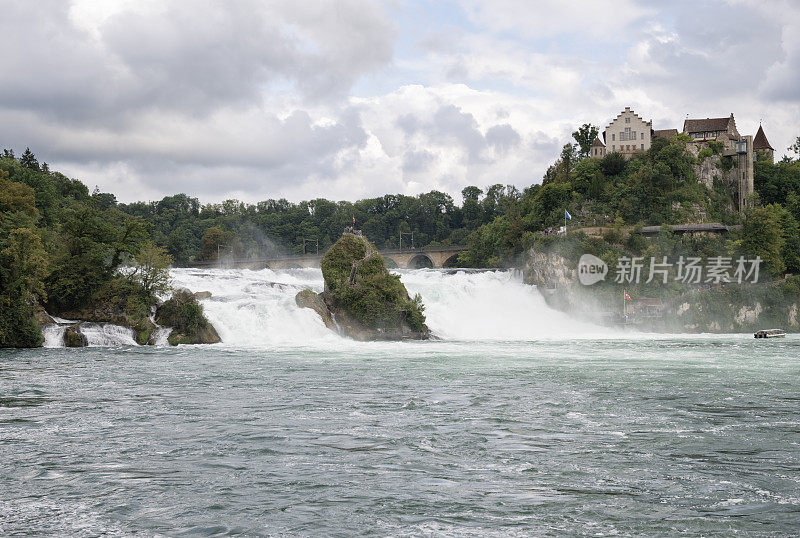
[{"x": 407, "y": 258}]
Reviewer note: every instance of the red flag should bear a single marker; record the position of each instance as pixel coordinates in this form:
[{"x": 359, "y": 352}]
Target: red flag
[
  {"x": 627, "y": 297},
  {"x": 354, "y": 220}
]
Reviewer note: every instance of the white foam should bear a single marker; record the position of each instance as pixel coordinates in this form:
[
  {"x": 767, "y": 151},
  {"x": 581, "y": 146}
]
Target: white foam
[
  {"x": 107, "y": 335},
  {"x": 257, "y": 308}
]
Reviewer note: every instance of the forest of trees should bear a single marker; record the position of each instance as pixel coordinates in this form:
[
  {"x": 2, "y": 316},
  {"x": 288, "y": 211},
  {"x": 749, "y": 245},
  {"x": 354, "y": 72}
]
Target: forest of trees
[
  {"x": 59, "y": 245},
  {"x": 192, "y": 231}
]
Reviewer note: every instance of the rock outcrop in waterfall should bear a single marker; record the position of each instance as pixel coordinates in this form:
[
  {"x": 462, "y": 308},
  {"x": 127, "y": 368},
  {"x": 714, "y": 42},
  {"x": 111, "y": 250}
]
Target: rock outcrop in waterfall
[{"x": 362, "y": 299}]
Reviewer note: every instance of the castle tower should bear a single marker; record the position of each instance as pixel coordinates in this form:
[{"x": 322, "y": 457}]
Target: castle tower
[
  {"x": 762, "y": 145},
  {"x": 597, "y": 150}
]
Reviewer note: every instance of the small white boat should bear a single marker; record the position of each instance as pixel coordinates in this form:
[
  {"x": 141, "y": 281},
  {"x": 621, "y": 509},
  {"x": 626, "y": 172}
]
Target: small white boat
[{"x": 770, "y": 333}]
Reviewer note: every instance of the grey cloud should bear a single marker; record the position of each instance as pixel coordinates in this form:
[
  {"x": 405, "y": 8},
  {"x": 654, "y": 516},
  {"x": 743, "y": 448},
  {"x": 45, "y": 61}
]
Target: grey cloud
[
  {"x": 408, "y": 123},
  {"x": 416, "y": 161},
  {"x": 184, "y": 58},
  {"x": 503, "y": 137},
  {"x": 450, "y": 124},
  {"x": 713, "y": 50}
]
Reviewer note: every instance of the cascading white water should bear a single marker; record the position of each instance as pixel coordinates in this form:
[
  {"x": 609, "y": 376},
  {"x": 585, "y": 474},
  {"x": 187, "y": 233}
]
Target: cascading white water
[
  {"x": 161, "y": 336},
  {"x": 489, "y": 305},
  {"x": 107, "y": 334},
  {"x": 255, "y": 308},
  {"x": 53, "y": 335}
]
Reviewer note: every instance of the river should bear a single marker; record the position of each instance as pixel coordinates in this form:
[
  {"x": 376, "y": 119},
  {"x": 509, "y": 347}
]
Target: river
[{"x": 517, "y": 422}]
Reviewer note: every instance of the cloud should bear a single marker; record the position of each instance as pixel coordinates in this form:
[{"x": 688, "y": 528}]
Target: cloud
[
  {"x": 502, "y": 137},
  {"x": 352, "y": 98},
  {"x": 197, "y": 57}
]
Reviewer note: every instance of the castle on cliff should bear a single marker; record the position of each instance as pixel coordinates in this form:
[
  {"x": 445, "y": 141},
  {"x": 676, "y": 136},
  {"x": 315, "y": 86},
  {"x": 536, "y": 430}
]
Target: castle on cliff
[{"x": 628, "y": 134}]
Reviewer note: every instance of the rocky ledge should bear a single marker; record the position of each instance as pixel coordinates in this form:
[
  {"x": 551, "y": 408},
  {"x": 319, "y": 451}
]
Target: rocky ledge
[
  {"x": 119, "y": 303},
  {"x": 185, "y": 315}
]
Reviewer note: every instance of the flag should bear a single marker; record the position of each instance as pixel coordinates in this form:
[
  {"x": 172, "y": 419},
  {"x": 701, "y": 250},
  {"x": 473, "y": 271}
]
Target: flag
[
  {"x": 627, "y": 297},
  {"x": 354, "y": 220},
  {"x": 567, "y": 215}
]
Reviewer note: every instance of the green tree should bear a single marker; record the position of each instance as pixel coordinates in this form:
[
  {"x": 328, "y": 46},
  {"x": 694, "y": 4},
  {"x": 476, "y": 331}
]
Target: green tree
[
  {"x": 150, "y": 269},
  {"x": 795, "y": 147},
  {"x": 585, "y": 136},
  {"x": 23, "y": 266},
  {"x": 28, "y": 160},
  {"x": 212, "y": 242},
  {"x": 762, "y": 236}
]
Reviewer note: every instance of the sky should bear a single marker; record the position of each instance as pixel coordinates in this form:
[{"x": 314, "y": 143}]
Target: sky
[{"x": 349, "y": 99}]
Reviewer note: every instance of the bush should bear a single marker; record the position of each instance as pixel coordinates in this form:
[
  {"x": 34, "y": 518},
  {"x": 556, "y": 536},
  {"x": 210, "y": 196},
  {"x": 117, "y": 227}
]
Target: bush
[{"x": 704, "y": 154}]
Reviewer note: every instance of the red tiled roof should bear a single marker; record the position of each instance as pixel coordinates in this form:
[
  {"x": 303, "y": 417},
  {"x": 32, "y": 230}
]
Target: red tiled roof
[{"x": 760, "y": 141}]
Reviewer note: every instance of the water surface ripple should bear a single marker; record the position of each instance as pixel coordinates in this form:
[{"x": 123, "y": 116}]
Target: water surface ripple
[{"x": 627, "y": 436}]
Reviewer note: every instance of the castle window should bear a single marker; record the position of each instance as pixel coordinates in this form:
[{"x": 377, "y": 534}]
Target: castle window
[
  {"x": 642, "y": 136},
  {"x": 613, "y": 147},
  {"x": 642, "y": 146},
  {"x": 627, "y": 120},
  {"x": 612, "y": 136}
]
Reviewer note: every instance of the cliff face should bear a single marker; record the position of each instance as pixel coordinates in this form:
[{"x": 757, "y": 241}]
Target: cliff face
[
  {"x": 733, "y": 308},
  {"x": 363, "y": 300},
  {"x": 556, "y": 280}
]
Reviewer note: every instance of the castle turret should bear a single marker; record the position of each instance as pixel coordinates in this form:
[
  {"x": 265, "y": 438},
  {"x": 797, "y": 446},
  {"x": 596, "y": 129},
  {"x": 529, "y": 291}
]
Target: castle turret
[
  {"x": 597, "y": 149},
  {"x": 762, "y": 145}
]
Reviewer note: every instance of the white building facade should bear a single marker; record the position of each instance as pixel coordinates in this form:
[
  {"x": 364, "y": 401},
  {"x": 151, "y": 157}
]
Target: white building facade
[{"x": 628, "y": 134}]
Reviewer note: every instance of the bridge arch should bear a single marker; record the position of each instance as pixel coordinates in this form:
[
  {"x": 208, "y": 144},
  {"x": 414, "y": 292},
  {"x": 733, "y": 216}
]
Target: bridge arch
[
  {"x": 390, "y": 263},
  {"x": 421, "y": 261},
  {"x": 452, "y": 261}
]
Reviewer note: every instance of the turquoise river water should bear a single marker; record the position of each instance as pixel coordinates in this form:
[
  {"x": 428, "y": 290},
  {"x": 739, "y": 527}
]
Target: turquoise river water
[{"x": 518, "y": 422}]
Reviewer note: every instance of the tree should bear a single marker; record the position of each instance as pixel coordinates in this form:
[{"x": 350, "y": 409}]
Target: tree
[
  {"x": 213, "y": 240},
  {"x": 762, "y": 236},
  {"x": 28, "y": 160},
  {"x": 585, "y": 136},
  {"x": 795, "y": 147},
  {"x": 23, "y": 266},
  {"x": 613, "y": 164},
  {"x": 569, "y": 154},
  {"x": 151, "y": 269},
  {"x": 471, "y": 193}
]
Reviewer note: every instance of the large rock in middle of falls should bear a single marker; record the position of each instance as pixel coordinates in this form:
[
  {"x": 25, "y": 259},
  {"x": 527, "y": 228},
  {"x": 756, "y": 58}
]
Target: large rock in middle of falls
[{"x": 365, "y": 300}]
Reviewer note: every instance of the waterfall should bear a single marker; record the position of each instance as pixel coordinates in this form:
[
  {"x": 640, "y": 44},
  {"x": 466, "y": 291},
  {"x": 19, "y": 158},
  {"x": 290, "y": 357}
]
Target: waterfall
[
  {"x": 107, "y": 334},
  {"x": 54, "y": 332},
  {"x": 489, "y": 305},
  {"x": 160, "y": 336},
  {"x": 53, "y": 335},
  {"x": 257, "y": 308}
]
